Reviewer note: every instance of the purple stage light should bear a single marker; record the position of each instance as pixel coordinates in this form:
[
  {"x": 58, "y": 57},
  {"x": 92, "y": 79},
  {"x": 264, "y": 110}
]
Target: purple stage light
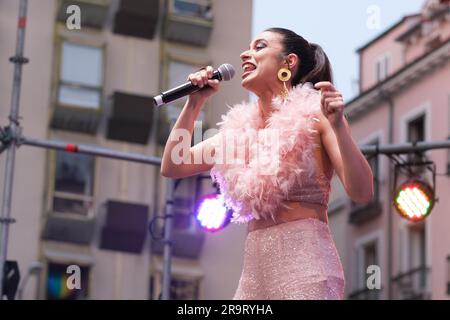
[{"x": 212, "y": 214}]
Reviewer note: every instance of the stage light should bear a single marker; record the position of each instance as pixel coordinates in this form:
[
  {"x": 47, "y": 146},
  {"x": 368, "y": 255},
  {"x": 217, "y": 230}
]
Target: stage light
[
  {"x": 414, "y": 200},
  {"x": 212, "y": 214}
]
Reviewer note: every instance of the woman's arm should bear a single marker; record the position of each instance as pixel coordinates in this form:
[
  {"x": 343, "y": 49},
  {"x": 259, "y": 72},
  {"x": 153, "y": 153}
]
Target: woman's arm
[
  {"x": 348, "y": 161},
  {"x": 179, "y": 158}
]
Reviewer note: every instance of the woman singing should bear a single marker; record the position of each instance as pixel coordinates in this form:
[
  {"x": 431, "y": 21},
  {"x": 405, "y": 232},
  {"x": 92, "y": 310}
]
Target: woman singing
[{"x": 294, "y": 138}]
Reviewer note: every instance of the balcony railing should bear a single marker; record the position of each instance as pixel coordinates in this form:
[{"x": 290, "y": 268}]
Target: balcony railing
[
  {"x": 366, "y": 294},
  {"x": 75, "y": 118},
  {"x": 412, "y": 285},
  {"x": 362, "y": 213},
  {"x": 189, "y": 22},
  {"x": 94, "y": 13},
  {"x": 66, "y": 229},
  {"x": 192, "y": 8}
]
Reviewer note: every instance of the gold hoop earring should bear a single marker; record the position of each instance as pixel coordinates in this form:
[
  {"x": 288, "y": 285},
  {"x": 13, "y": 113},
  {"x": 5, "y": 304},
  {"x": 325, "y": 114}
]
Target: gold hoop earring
[{"x": 284, "y": 75}]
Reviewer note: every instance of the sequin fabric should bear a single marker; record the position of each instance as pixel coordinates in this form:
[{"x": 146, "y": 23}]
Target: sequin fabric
[{"x": 295, "y": 260}]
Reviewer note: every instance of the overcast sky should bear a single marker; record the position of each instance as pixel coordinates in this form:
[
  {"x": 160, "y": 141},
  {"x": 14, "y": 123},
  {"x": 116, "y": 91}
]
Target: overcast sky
[{"x": 340, "y": 27}]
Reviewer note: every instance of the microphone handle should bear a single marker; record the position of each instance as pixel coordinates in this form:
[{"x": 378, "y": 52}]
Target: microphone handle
[{"x": 185, "y": 89}]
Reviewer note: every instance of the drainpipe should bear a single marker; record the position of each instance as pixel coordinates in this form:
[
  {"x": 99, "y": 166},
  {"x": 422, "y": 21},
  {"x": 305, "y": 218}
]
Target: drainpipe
[{"x": 387, "y": 97}]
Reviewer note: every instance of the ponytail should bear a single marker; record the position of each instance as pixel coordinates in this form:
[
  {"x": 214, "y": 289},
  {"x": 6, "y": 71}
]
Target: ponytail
[
  {"x": 314, "y": 63},
  {"x": 322, "y": 68}
]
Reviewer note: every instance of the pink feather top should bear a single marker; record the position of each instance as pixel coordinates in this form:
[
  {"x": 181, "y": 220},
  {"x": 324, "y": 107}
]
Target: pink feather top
[{"x": 258, "y": 166}]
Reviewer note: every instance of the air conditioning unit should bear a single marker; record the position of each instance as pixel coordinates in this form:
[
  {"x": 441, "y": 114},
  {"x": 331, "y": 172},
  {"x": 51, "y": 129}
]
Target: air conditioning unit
[
  {"x": 137, "y": 18},
  {"x": 124, "y": 226}
]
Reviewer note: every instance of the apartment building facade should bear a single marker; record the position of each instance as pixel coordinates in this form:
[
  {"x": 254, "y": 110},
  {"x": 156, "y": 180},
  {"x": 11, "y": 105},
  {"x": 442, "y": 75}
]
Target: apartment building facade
[
  {"x": 94, "y": 86},
  {"x": 404, "y": 97}
]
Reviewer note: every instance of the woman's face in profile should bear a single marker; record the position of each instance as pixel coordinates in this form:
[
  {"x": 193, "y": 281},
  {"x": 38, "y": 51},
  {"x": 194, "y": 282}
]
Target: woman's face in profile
[{"x": 261, "y": 62}]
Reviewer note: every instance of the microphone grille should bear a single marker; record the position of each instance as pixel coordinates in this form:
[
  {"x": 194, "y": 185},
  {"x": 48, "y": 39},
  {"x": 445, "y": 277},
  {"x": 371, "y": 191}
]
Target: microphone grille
[{"x": 227, "y": 71}]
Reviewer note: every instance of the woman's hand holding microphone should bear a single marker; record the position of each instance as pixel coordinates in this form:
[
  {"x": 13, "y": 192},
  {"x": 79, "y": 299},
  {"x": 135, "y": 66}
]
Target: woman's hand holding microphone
[{"x": 202, "y": 78}]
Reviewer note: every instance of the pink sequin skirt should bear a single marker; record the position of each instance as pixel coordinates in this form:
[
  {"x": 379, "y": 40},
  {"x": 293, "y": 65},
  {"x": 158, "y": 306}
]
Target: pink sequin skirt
[{"x": 293, "y": 260}]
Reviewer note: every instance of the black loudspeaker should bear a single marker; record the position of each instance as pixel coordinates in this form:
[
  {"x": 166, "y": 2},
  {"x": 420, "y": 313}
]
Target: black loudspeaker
[
  {"x": 122, "y": 240},
  {"x": 143, "y": 7},
  {"x": 131, "y": 118},
  {"x": 132, "y": 107},
  {"x": 11, "y": 279},
  {"x": 126, "y": 216},
  {"x": 128, "y": 131},
  {"x": 137, "y": 18},
  {"x": 125, "y": 227}
]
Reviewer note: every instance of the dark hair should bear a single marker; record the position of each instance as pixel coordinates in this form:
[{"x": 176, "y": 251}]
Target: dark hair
[{"x": 314, "y": 63}]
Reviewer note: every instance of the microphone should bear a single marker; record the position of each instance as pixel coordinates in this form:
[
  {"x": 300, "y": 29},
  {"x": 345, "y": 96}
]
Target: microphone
[{"x": 224, "y": 72}]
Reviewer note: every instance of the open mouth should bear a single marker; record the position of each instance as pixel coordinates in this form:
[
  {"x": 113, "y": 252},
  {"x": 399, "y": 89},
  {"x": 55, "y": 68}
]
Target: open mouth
[{"x": 247, "y": 67}]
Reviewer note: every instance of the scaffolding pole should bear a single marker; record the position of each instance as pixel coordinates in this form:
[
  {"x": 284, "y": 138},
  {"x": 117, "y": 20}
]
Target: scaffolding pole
[
  {"x": 18, "y": 60},
  {"x": 91, "y": 150},
  {"x": 15, "y": 139}
]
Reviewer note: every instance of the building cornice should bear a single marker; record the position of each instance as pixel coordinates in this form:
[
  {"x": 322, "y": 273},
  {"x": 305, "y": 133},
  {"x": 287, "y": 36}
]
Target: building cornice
[
  {"x": 383, "y": 34},
  {"x": 398, "y": 81},
  {"x": 417, "y": 27}
]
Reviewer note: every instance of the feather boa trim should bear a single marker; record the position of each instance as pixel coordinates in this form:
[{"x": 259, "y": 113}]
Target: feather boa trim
[{"x": 256, "y": 165}]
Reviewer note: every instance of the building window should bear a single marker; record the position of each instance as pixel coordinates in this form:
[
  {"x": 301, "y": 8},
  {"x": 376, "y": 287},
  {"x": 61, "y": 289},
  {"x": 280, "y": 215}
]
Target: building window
[
  {"x": 416, "y": 129},
  {"x": 370, "y": 254},
  {"x": 184, "y": 204},
  {"x": 193, "y": 8},
  {"x": 184, "y": 289},
  {"x": 57, "y": 278},
  {"x": 382, "y": 67},
  {"x": 416, "y": 133},
  {"x": 367, "y": 255},
  {"x": 181, "y": 287},
  {"x": 373, "y": 162},
  {"x": 74, "y": 183},
  {"x": 177, "y": 72},
  {"x": 81, "y": 76},
  {"x": 370, "y": 258},
  {"x": 374, "y": 166},
  {"x": 433, "y": 43},
  {"x": 448, "y": 151},
  {"x": 361, "y": 213},
  {"x": 414, "y": 282},
  {"x": 417, "y": 248}
]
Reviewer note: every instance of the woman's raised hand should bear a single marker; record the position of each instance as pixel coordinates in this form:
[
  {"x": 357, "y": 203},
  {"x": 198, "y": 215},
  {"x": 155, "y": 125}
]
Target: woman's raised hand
[
  {"x": 202, "y": 79},
  {"x": 332, "y": 103}
]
